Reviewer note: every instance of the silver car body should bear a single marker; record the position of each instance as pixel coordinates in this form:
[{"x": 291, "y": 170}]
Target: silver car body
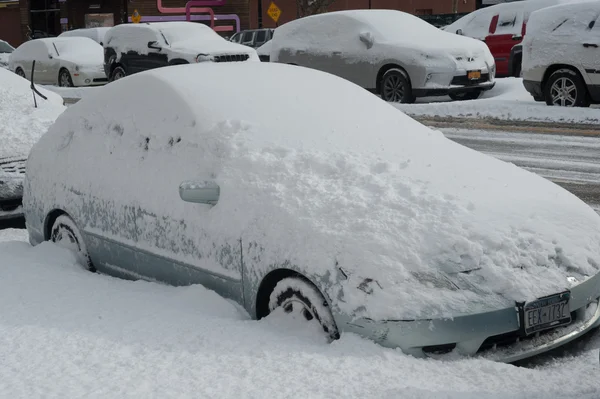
[
  {"x": 80, "y": 56},
  {"x": 248, "y": 238},
  {"x": 563, "y": 36},
  {"x": 362, "y": 45}
]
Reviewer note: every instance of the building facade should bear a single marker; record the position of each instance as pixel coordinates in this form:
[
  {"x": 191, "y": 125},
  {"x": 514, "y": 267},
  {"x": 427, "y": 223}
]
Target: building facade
[{"x": 21, "y": 20}]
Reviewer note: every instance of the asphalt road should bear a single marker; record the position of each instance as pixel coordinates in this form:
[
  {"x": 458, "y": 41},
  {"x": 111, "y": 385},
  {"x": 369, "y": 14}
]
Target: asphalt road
[{"x": 571, "y": 161}]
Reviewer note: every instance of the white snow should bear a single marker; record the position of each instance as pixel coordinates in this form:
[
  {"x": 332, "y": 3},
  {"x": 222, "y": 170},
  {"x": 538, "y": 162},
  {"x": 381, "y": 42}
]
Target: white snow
[
  {"x": 508, "y": 100},
  {"x": 79, "y": 50},
  {"x": 314, "y": 179},
  {"x": 68, "y": 333},
  {"x": 21, "y": 124},
  {"x": 265, "y": 49}
]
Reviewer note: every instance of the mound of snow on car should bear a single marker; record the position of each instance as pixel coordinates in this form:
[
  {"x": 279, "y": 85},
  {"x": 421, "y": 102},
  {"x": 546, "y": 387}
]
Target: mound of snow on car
[{"x": 337, "y": 182}]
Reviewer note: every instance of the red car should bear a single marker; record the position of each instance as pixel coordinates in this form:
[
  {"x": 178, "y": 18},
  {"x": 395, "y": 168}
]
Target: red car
[{"x": 502, "y": 27}]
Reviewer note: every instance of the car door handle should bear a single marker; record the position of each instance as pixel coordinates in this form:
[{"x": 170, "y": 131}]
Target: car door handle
[{"x": 586, "y": 45}]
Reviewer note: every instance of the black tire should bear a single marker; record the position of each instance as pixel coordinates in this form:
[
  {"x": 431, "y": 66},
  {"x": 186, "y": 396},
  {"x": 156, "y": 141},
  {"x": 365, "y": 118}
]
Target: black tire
[
  {"x": 117, "y": 73},
  {"x": 469, "y": 95},
  {"x": 395, "y": 87},
  {"x": 517, "y": 71},
  {"x": 565, "y": 88},
  {"x": 298, "y": 295},
  {"x": 65, "y": 234},
  {"x": 21, "y": 73},
  {"x": 64, "y": 78}
]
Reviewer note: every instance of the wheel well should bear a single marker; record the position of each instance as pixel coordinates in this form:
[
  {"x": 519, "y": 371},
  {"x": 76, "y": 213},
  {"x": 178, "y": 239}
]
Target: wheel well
[
  {"x": 266, "y": 287},
  {"x": 52, "y": 216},
  {"x": 553, "y": 68},
  {"x": 516, "y": 64},
  {"x": 383, "y": 70},
  {"x": 114, "y": 66}
]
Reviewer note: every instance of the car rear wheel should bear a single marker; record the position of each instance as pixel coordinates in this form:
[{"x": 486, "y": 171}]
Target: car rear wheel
[
  {"x": 65, "y": 234},
  {"x": 301, "y": 300},
  {"x": 565, "y": 88},
  {"x": 469, "y": 95},
  {"x": 118, "y": 73},
  {"x": 64, "y": 78},
  {"x": 395, "y": 87},
  {"x": 21, "y": 73}
]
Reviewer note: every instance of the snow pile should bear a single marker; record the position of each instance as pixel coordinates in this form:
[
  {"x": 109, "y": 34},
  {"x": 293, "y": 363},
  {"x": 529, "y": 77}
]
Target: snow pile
[
  {"x": 21, "y": 124},
  {"x": 69, "y": 333},
  {"x": 508, "y": 100},
  {"x": 337, "y": 178}
]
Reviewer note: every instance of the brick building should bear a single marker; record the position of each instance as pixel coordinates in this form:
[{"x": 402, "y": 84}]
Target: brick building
[{"x": 22, "y": 19}]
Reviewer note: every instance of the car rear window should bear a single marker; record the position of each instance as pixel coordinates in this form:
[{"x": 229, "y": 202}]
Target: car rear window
[{"x": 261, "y": 36}]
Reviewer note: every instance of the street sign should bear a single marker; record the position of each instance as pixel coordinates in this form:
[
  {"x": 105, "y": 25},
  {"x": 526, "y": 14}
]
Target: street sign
[
  {"x": 274, "y": 12},
  {"x": 136, "y": 17}
]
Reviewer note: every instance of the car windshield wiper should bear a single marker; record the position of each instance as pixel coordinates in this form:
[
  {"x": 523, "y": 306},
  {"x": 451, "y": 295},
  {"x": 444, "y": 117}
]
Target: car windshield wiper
[
  {"x": 55, "y": 49},
  {"x": 163, "y": 36},
  {"x": 561, "y": 24}
]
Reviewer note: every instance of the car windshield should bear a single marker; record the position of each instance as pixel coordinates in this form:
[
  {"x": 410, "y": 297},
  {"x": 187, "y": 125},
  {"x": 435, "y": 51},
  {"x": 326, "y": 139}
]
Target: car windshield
[
  {"x": 5, "y": 47},
  {"x": 188, "y": 31},
  {"x": 78, "y": 48}
]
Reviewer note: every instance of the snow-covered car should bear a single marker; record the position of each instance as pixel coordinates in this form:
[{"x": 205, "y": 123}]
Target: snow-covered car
[
  {"x": 264, "y": 51},
  {"x": 391, "y": 53},
  {"x": 561, "y": 55},
  {"x": 253, "y": 37},
  {"x": 64, "y": 61},
  {"x": 330, "y": 205},
  {"x": 5, "y": 51},
  {"x": 21, "y": 126},
  {"x": 96, "y": 34},
  {"x": 132, "y": 48},
  {"x": 502, "y": 27}
]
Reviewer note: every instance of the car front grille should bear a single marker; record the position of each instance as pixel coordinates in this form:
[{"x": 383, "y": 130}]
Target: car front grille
[
  {"x": 464, "y": 81},
  {"x": 231, "y": 57},
  {"x": 8, "y": 205},
  {"x": 12, "y": 165}
]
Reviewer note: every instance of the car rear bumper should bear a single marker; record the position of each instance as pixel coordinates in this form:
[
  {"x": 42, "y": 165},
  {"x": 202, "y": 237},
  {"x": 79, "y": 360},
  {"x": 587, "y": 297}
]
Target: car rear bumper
[
  {"x": 496, "y": 335},
  {"x": 534, "y": 88}
]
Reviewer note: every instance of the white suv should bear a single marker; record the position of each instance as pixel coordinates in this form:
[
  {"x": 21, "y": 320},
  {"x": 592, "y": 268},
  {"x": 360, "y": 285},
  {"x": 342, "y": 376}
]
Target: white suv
[{"x": 561, "y": 55}]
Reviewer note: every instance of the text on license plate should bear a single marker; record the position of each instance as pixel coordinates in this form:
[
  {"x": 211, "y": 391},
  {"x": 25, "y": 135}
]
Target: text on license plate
[
  {"x": 545, "y": 313},
  {"x": 474, "y": 75}
]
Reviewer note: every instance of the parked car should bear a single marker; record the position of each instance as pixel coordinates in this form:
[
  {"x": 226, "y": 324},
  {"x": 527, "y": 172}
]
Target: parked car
[
  {"x": 328, "y": 206},
  {"x": 264, "y": 51},
  {"x": 132, "y": 48},
  {"x": 96, "y": 34},
  {"x": 391, "y": 53},
  {"x": 501, "y": 27},
  {"x": 253, "y": 38},
  {"x": 561, "y": 55},
  {"x": 65, "y": 61},
  {"x": 22, "y": 125},
  {"x": 5, "y": 51}
]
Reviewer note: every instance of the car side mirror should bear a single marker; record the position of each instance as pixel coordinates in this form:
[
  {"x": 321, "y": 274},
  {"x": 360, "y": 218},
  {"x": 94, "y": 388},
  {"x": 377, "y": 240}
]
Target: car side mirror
[
  {"x": 367, "y": 38},
  {"x": 459, "y": 32},
  {"x": 50, "y": 56},
  {"x": 200, "y": 192},
  {"x": 154, "y": 45}
]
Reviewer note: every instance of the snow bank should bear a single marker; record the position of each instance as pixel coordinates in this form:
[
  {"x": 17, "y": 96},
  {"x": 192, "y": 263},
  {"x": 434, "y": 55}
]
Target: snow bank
[
  {"x": 508, "y": 100},
  {"x": 68, "y": 333},
  {"x": 21, "y": 124},
  {"x": 319, "y": 179}
]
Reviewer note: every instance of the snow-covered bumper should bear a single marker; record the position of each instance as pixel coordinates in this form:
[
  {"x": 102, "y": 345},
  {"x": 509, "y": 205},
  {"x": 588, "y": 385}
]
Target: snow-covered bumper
[
  {"x": 12, "y": 171},
  {"x": 466, "y": 78},
  {"x": 498, "y": 335},
  {"x": 89, "y": 77}
]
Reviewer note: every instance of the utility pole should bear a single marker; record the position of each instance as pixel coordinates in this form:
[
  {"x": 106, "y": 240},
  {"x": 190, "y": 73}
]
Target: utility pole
[{"x": 454, "y": 6}]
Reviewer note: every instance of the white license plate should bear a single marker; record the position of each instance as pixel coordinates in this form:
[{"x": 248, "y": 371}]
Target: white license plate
[{"x": 544, "y": 313}]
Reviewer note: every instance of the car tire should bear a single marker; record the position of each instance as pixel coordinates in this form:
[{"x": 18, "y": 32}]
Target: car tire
[
  {"x": 118, "y": 73},
  {"x": 21, "y": 73},
  {"x": 518, "y": 71},
  {"x": 64, "y": 78},
  {"x": 65, "y": 234},
  {"x": 469, "y": 95},
  {"x": 565, "y": 88},
  {"x": 395, "y": 87},
  {"x": 299, "y": 297}
]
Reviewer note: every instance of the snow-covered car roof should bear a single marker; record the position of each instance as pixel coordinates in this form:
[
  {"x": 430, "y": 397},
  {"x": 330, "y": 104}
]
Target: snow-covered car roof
[
  {"x": 477, "y": 23},
  {"x": 328, "y": 177},
  {"x": 23, "y": 124},
  {"x": 79, "y": 50},
  {"x": 96, "y": 34},
  {"x": 565, "y": 19}
]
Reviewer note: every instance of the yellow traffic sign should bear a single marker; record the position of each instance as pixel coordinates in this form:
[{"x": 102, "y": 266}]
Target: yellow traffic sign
[
  {"x": 274, "y": 12},
  {"x": 136, "y": 17}
]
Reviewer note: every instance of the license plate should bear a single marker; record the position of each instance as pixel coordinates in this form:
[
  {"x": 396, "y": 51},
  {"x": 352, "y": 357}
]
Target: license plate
[
  {"x": 473, "y": 75},
  {"x": 548, "y": 312}
]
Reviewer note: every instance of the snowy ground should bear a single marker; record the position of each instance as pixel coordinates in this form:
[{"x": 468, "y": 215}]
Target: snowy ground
[
  {"x": 508, "y": 100},
  {"x": 69, "y": 333}
]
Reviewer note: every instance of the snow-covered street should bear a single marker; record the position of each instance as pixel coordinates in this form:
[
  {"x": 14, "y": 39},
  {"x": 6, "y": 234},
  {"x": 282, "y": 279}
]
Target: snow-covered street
[{"x": 69, "y": 333}]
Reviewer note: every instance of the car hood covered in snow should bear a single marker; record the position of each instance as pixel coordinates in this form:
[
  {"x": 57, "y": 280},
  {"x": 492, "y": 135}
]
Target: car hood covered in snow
[{"x": 334, "y": 181}]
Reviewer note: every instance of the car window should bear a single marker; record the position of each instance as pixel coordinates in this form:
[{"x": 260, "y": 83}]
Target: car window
[
  {"x": 247, "y": 37},
  {"x": 261, "y": 36},
  {"x": 236, "y": 38},
  {"x": 5, "y": 48}
]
